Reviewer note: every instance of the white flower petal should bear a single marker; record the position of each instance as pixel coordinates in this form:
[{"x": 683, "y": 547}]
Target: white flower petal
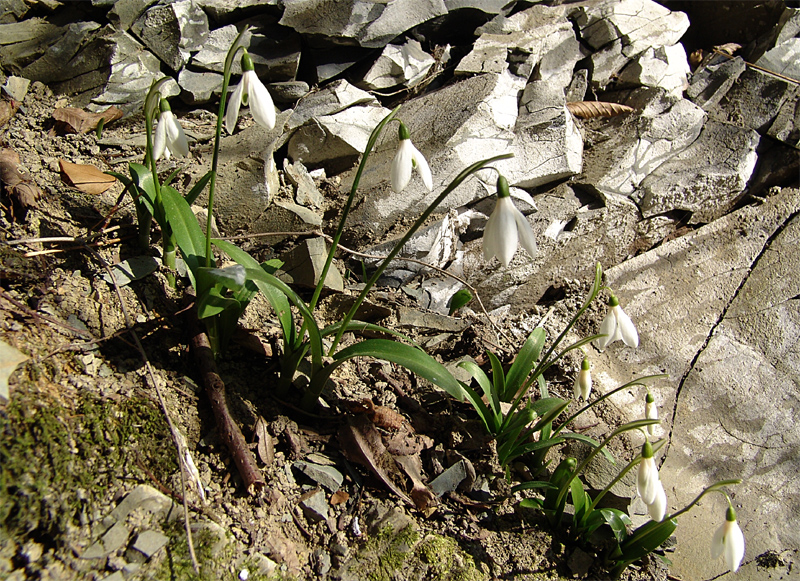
[
  {"x": 261, "y": 106},
  {"x": 235, "y": 102},
  {"x": 718, "y": 542},
  {"x": 627, "y": 330},
  {"x": 176, "y": 138},
  {"x": 734, "y": 546},
  {"x": 402, "y": 165},
  {"x": 525, "y": 232},
  {"x": 608, "y": 327},
  {"x": 647, "y": 480},
  {"x": 500, "y": 235},
  {"x": 651, "y": 413},
  {"x": 160, "y": 139},
  {"x": 422, "y": 167},
  {"x": 658, "y": 508}
]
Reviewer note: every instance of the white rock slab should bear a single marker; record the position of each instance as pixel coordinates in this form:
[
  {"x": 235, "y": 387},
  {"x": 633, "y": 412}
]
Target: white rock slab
[
  {"x": 405, "y": 64},
  {"x": 727, "y": 339}
]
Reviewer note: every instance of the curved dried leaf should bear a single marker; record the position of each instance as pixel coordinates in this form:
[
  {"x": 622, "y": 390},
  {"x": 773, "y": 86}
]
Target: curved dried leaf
[
  {"x": 86, "y": 178},
  {"x": 592, "y": 109},
  {"x": 72, "y": 120}
]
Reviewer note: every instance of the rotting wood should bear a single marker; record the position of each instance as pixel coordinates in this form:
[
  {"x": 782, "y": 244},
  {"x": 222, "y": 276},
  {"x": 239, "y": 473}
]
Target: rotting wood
[{"x": 227, "y": 428}]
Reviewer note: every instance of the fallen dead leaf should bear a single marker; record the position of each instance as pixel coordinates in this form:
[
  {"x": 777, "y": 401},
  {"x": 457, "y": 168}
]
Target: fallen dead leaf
[
  {"x": 22, "y": 191},
  {"x": 424, "y": 498},
  {"x": 592, "y": 109},
  {"x": 7, "y": 110},
  {"x": 361, "y": 443},
  {"x": 86, "y": 178},
  {"x": 265, "y": 446},
  {"x": 72, "y": 120},
  {"x": 10, "y": 358}
]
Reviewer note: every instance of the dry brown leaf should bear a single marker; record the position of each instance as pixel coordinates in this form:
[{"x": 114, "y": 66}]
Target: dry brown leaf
[
  {"x": 264, "y": 446},
  {"x": 592, "y": 109},
  {"x": 10, "y": 358},
  {"x": 339, "y": 497},
  {"x": 86, "y": 178},
  {"x": 22, "y": 191},
  {"x": 424, "y": 498},
  {"x": 729, "y": 48},
  {"x": 361, "y": 443},
  {"x": 72, "y": 120},
  {"x": 7, "y": 110}
]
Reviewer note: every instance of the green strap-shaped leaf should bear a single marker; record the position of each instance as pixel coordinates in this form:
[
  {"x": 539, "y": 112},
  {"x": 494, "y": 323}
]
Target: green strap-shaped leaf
[
  {"x": 276, "y": 298},
  {"x": 486, "y": 386},
  {"x": 498, "y": 377},
  {"x": 591, "y": 441},
  {"x": 360, "y": 327},
  {"x": 617, "y": 520},
  {"x": 258, "y": 274},
  {"x": 579, "y": 501},
  {"x": 143, "y": 179},
  {"x": 213, "y": 303},
  {"x": 187, "y": 232},
  {"x": 490, "y": 420},
  {"x": 524, "y": 362},
  {"x": 411, "y": 358},
  {"x": 646, "y": 539}
]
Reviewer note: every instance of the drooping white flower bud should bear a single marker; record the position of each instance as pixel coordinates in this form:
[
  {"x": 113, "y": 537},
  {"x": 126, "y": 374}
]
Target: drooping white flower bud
[{"x": 728, "y": 541}]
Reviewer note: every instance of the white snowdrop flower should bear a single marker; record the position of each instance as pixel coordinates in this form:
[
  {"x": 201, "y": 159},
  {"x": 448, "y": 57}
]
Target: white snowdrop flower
[
  {"x": 583, "y": 383},
  {"x": 658, "y": 508},
  {"x": 650, "y": 412},
  {"x": 728, "y": 541},
  {"x": 405, "y": 160},
  {"x": 244, "y": 575},
  {"x": 647, "y": 481},
  {"x": 250, "y": 92},
  {"x": 617, "y": 326},
  {"x": 506, "y": 228},
  {"x": 169, "y": 138}
]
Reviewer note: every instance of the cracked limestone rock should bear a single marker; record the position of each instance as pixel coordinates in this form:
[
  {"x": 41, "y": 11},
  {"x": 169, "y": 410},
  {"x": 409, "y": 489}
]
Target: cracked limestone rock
[
  {"x": 173, "y": 31},
  {"x": 404, "y": 65},
  {"x": 619, "y": 30}
]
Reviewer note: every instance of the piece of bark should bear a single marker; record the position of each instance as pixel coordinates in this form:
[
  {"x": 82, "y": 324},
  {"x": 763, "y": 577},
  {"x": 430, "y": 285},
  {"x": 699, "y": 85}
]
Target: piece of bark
[{"x": 227, "y": 428}]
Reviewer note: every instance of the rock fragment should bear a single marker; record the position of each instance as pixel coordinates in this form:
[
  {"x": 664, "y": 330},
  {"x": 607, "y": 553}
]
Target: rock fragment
[
  {"x": 173, "y": 31},
  {"x": 398, "y": 65}
]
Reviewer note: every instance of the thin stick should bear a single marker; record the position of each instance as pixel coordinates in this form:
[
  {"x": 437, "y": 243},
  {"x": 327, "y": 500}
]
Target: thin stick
[
  {"x": 76, "y": 239},
  {"x": 93, "y": 244},
  {"x": 176, "y": 437}
]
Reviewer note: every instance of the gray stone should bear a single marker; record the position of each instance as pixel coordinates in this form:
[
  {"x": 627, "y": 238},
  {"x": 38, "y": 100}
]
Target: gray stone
[
  {"x": 754, "y": 101},
  {"x": 150, "y": 542},
  {"x": 35, "y": 35},
  {"x": 783, "y": 59},
  {"x": 274, "y": 50},
  {"x": 334, "y": 98},
  {"x": 314, "y": 505},
  {"x": 133, "y": 69},
  {"x": 710, "y": 83},
  {"x": 145, "y": 497},
  {"x": 370, "y": 24},
  {"x": 665, "y": 67},
  {"x": 131, "y": 269},
  {"x": 199, "y": 88},
  {"x": 13, "y": 11},
  {"x": 173, "y": 31},
  {"x": 112, "y": 540},
  {"x": 306, "y": 192},
  {"x": 487, "y": 6},
  {"x": 633, "y": 147},
  {"x": 329, "y": 62},
  {"x": 449, "y": 480},
  {"x": 579, "y": 562},
  {"x": 304, "y": 263},
  {"x": 326, "y": 476},
  {"x": 288, "y": 91},
  {"x": 80, "y": 49},
  {"x": 398, "y": 65},
  {"x": 124, "y": 13},
  {"x": 335, "y": 139},
  {"x": 540, "y": 37},
  {"x": 224, "y": 11},
  {"x": 16, "y": 88},
  {"x": 621, "y": 30},
  {"x": 407, "y": 317},
  {"x": 716, "y": 310},
  {"x": 786, "y": 127},
  {"x": 707, "y": 178}
]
